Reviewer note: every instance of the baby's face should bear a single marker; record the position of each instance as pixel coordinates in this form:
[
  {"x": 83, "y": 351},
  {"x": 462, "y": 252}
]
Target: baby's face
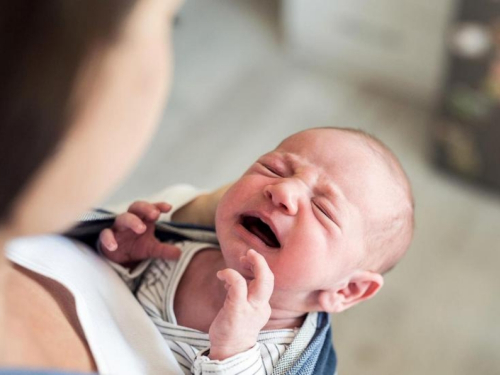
[{"x": 304, "y": 207}]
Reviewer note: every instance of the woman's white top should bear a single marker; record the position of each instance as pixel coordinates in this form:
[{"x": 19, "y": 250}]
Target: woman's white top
[{"x": 122, "y": 338}]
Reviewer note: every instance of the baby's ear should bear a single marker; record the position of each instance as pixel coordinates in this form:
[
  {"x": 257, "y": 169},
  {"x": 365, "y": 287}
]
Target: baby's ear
[{"x": 360, "y": 286}]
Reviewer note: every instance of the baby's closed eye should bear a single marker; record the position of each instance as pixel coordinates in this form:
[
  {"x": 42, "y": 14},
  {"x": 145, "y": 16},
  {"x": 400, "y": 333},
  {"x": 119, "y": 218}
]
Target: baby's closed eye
[
  {"x": 325, "y": 210},
  {"x": 272, "y": 168}
]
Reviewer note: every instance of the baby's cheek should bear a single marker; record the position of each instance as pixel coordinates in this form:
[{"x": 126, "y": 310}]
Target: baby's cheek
[{"x": 294, "y": 275}]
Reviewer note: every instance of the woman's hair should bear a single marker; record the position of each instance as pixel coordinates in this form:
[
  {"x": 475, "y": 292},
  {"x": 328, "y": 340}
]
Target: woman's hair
[{"x": 43, "y": 45}]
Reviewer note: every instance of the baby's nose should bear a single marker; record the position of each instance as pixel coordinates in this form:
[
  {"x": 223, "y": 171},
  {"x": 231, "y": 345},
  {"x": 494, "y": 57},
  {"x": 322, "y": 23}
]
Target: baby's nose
[{"x": 283, "y": 196}]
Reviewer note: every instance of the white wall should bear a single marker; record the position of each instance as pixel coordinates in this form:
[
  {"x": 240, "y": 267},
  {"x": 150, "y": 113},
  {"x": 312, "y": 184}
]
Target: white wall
[{"x": 398, "y": 45}]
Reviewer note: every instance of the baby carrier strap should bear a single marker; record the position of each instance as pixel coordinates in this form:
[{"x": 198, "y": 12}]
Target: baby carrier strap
[
  {"x": 91, "y": 224},
  {"x": 318, "y": 357}
]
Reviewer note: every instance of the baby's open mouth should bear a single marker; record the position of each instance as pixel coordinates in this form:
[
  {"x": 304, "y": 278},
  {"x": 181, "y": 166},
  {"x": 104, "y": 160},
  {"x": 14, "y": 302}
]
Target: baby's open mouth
[{"x": 260, "y": 229}]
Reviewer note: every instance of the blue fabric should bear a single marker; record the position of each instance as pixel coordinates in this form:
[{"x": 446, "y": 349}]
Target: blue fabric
[{"x": 319, "y": 356}]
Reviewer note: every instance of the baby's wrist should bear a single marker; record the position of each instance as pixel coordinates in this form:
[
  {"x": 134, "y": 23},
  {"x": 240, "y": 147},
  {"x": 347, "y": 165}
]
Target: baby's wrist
[{"x": 222, "y": 353}]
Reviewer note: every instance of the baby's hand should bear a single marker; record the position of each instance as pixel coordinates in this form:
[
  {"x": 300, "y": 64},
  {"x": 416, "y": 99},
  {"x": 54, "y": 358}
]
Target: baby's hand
[
  {"x": 246, "y": 309},
  {"x": 132, "y": 239}
]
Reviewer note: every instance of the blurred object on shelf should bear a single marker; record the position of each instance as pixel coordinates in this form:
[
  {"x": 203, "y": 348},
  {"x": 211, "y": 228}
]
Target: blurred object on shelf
[{"x": 466, "y": 134}]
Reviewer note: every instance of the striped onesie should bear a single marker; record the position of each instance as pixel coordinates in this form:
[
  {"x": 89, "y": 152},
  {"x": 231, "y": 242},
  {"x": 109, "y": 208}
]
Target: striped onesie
[{"x": 154, "y": 283}]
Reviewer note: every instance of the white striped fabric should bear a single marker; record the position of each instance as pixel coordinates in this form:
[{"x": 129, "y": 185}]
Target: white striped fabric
[{"x": 155, "y": 283}]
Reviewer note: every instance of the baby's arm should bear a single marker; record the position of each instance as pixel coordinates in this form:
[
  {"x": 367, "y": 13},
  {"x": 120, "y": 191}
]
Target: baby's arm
[
  {"x": 131, "y": 239},
  {"x": 246, "y": 309},
  {"x": 233, "y": 333},
  {"x": 201, "y": 210}
]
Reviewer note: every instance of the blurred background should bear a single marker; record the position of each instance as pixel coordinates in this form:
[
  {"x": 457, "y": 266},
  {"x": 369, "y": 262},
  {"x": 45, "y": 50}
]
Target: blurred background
[{"x": 424, "y": 77}]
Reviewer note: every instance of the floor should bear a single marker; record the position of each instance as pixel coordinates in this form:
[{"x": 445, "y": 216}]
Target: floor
[{"x": 237, "y": 94}]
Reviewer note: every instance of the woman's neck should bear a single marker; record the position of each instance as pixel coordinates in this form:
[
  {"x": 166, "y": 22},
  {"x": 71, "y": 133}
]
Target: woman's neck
[{"x": 4, "y": 238}]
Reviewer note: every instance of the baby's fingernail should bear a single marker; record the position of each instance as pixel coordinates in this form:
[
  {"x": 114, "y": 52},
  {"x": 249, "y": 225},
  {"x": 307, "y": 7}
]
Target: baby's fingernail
[{"x": 112, "y": 247}]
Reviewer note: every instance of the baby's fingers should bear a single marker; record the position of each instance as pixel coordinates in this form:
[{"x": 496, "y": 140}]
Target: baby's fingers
[
  {"x": 129, "y": 221},
  {"x": 107, "y": 240},
  {"x": 261, "y": 288},
  {"x": 236, "y": 285},
  {"x": 149, "y": 211},
  {"x": 163, "y": 207}
]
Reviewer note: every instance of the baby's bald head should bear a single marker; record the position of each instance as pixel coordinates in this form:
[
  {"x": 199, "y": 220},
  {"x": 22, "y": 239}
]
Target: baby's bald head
[
  {"x": 383, "y": 193},
  {"x": 390, "y": 231}
]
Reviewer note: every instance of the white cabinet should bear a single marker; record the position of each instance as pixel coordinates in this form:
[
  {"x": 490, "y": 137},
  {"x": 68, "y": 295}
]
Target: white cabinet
[{"x": 398, "y": 45}]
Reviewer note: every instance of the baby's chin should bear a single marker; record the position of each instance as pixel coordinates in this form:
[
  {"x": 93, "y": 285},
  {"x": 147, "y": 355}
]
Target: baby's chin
[{"x": 231, "y": 258}]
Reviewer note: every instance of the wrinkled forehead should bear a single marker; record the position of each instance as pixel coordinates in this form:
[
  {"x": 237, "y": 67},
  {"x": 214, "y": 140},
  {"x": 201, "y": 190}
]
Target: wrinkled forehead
[
  {"x": 330, "y": 149},
  {"x": 347, "y": 160}
]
